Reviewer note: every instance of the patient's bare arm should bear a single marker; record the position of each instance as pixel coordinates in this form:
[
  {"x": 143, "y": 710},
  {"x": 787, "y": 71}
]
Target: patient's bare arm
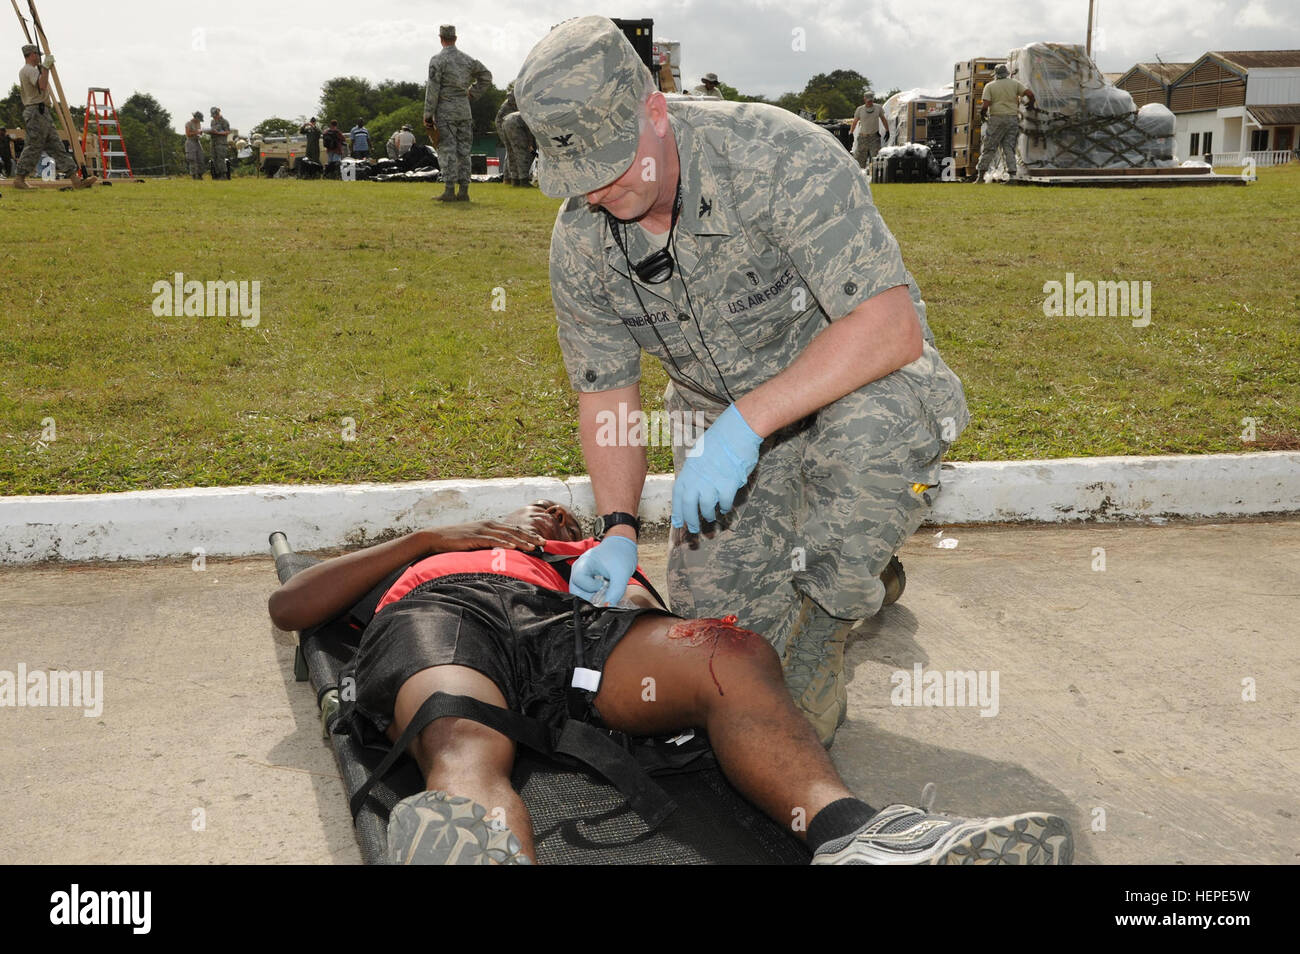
[
  {"x": 640, "y": 597},
  {"x": 323, "y": 591}
]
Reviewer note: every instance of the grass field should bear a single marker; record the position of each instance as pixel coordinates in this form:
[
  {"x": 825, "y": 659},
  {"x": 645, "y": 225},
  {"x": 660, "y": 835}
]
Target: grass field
[{"x": 376, "y": 309}]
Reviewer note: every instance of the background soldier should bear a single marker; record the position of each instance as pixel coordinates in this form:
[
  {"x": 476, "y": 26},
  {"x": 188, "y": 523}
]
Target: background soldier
[
  {"x": 220, "y": 132},
  {"x": 312, "y": 131},
  {"x": 753, "y": 263},
  {"x": 34, "y": 82},
  {"x": 708, "y": 87},
  {"x": 1000, "y": 109},
  {"x": 400, "y": 143},
  {"x": 193, "y": 147},
  {"x": 454, "y": 79},
  {"x": 6, "y": 153},
  {"x": 518, "y": 142},
  {"x": 869, "y": 116}
]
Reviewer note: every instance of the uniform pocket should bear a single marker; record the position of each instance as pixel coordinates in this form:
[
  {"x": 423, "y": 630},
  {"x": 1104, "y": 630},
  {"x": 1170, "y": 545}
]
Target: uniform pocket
[
  {"x": 760, "y": 311},
  {"x": 940, "y": 392}
]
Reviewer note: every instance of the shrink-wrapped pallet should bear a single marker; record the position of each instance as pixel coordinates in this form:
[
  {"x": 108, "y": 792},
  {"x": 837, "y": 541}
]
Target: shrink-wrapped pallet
[{"x": 1078, "y": 119}]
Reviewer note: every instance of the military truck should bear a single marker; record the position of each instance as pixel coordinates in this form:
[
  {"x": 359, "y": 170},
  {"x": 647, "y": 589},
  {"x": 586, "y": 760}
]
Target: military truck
[{"x": 283, "y": 152}]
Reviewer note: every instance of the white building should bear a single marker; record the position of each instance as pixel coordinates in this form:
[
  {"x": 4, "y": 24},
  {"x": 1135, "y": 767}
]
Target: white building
[{"x": 1238, "y": 104}]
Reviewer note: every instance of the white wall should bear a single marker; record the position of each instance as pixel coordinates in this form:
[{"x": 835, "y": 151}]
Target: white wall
[
  {"x": 1201, "y": 122},
  {"x": 1273, "y": 87}
]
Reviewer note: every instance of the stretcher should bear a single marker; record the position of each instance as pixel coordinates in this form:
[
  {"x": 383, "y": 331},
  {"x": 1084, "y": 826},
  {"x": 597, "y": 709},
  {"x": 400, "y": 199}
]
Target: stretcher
[{"x": 578, "y": 817}]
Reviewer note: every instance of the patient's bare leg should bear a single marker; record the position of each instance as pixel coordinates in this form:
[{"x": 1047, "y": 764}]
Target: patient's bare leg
[
  {"x": 461, "y": 756},
  {"x": 669, "y": 674}
]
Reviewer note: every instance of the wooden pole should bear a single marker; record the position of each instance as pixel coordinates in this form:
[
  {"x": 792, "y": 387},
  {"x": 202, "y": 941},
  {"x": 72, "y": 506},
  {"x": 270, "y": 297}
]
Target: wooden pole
[
  {"x": 61, "y": 105},
  {"x": 1090, "y": 4},
  {"x": 23, "y": 20}
]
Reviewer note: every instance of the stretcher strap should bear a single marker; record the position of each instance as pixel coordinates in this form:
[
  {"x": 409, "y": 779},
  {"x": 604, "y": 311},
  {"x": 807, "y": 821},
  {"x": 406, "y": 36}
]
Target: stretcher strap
[{"x": 578, "y": 740}]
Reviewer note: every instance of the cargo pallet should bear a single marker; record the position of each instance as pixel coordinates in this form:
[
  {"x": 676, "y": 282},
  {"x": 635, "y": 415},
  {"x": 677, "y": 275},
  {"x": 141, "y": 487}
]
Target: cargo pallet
[{"x": 1126, "y": 178}]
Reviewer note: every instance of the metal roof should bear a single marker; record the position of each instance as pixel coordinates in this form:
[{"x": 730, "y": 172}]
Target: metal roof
[
  {"x": 1259, "y": 59},
  {"x": 1165, "y": 72},
  {"x": 1288, "y": 115}
]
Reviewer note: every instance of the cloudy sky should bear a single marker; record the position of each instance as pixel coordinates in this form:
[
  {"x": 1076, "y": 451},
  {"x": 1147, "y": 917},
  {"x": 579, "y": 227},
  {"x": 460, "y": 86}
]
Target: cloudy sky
[{"x": 256, "y": 58}]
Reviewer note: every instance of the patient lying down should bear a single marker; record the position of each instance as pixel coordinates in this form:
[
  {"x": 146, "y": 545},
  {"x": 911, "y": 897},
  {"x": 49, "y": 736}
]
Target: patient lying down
[{"x": 484, "y": 611}]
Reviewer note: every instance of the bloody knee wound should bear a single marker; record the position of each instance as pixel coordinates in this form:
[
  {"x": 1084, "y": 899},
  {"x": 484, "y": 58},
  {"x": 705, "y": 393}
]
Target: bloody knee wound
[
  {"x": 716, "y": 633},
  {"x": 697, "y": 632}
]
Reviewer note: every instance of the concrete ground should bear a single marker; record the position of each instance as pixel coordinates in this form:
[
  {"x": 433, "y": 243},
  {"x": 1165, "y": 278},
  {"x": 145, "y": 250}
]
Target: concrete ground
[{"x": 1124, "y": 700}]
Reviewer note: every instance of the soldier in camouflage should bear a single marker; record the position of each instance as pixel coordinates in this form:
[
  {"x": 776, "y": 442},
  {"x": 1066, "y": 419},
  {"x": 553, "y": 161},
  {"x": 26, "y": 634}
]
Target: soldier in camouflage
[
  {"x": 454, "y": 80},
  {"x": 1000, "y": 109},
  {"x": 193, "y": 147},
  {"x": 741, "y": 247},
  {"x": 518, "y": 142},
  {"x": 219, "y": 129},
  {"x": 870, "y": 117},
  {"x": 38, "y": 124},
  {"x": 709, "y": 87}
]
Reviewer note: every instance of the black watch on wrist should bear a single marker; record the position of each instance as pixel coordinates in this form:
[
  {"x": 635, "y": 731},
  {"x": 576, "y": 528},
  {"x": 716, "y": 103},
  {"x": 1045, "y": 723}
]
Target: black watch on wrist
[{"x": 603, "y": 523}]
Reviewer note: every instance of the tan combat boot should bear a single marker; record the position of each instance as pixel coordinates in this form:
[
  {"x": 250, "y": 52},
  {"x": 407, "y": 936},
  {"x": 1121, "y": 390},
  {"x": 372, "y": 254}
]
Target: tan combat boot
[
  {"x": 20, "y": 182},
  {"x": 895, "y": 581},
  {"x": 814, "y": 668}
]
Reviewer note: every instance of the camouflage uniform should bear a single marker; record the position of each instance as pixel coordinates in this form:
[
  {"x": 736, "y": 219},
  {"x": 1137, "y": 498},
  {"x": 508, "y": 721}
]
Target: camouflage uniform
[
  {"x": 38, "y": 129},
  {"x": 1003, "y": 124},
  {"x": 518, "y": 140},
  {"x": 1000, "y": 134},
  {"x": 194, "y": 148},
  {"x": 220, "y": 128},
  {"x": 777, "y": 237},
  {"x": 868, "y": 141},
  {"x": 454, "y": 79}
]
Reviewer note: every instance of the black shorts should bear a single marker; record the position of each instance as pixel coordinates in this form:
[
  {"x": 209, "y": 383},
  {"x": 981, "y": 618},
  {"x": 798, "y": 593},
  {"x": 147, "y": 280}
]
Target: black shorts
[{"x": 518, "y": 634}]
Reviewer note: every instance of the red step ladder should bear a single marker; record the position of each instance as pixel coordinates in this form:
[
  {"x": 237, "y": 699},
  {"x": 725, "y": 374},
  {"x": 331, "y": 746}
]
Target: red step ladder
[{"x": 101, "y": 137}]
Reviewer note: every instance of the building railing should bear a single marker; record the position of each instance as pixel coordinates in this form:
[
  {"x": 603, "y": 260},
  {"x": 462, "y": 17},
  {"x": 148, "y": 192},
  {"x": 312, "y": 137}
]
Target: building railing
[{"x": 1262, "y": 157}]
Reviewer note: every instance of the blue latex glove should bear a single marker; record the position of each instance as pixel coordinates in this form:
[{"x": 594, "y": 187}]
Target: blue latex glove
[
  {"x": 606, "y": 566},
  {"x": 718, "y": 465}
]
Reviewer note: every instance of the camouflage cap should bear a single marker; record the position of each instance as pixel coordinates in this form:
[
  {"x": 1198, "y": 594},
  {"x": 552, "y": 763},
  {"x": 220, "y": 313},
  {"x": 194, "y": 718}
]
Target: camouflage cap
[
  {"x": 1001, "y": 71},
  {"x": 709, "y": 79},
  {"x": 30, "y": 48},
  {"x": 446, "y": 32},
  {"x": 580, "y": 91}
]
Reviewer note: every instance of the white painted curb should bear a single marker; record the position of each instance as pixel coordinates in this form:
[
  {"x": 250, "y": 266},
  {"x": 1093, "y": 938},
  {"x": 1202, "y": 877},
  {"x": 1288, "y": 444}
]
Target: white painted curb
[{"x": 235, "y": 521}]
